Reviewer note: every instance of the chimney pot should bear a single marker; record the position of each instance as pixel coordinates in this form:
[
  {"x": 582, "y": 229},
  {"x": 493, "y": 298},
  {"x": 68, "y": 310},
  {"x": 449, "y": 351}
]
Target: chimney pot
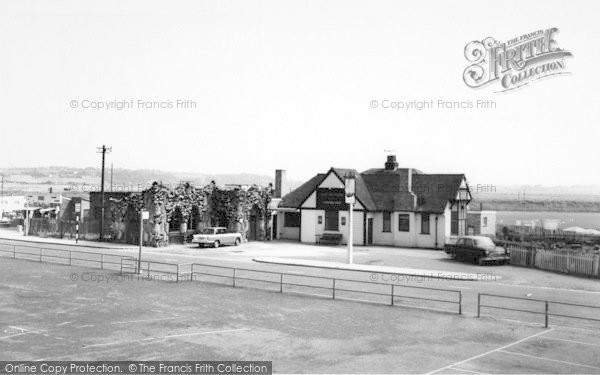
[{"x": 391, "y": 163}]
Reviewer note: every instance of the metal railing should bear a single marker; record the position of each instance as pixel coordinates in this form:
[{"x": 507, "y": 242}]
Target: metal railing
[
  {"x": 62, "y": 256},
  {"x": 334, "y": 285},
  {"x": 546, "y": 308}
]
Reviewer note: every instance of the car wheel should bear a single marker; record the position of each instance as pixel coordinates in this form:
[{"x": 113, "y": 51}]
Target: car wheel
[
  {"x": 200, "y": 245},
  {"x": 216, "y": 244},
  {"x": 237, "y": 242},
  {"x": 479, "y": 261}
]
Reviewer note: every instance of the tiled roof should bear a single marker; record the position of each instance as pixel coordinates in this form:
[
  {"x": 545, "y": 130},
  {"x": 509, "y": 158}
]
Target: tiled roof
[
  {"x": 387, "y": 190},
  {"x": 296, "y": 197},
  {"x": 362, "y": 191},
  {"x": 435, "y": 190}
]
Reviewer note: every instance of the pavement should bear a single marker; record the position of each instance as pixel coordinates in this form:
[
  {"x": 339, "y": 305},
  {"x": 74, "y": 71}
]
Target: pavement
[
  {"x": 48, "y": 314},
  {"x": 7, "y": 234}
]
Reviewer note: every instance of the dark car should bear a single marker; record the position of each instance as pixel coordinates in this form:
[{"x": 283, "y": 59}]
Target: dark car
[{"x": 478, "y": 249}]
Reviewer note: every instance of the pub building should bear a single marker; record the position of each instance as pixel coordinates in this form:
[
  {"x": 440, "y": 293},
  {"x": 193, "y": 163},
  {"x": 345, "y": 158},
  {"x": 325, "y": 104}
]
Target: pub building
[{"x": 401, "y": 207}]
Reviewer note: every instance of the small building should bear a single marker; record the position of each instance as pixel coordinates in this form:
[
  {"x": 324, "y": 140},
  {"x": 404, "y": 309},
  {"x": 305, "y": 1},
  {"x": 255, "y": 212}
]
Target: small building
[
  {"x": 481, "y": 223},
  {"x": 10, "y": 205},
  {"x": 394, "y": 206}
]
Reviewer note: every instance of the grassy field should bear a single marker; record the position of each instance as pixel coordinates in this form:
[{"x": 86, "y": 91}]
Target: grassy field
[{"x": 54, "y": 312}]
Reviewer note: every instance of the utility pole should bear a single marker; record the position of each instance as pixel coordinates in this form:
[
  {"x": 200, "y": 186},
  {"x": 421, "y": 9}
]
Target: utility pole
[{"x": 103, "y": 150}]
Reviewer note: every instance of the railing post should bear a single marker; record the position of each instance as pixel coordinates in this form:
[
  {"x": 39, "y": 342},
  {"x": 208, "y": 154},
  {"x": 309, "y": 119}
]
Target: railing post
[
  {"x": 234, "y": 277},
  {"x": 177, "y": 280},
  {"x": 333, "y": 288},
  {"x": 14, "y": 251},
  {"x": 546, "y": 315},
  {"x": 148, "y": 268},
  {"x": 459, "y": 302},
  {"x": 102, "y": 261},
  {"x": 280, "y": 283},
  {"x": 121, "y": 265},
  {"x": 392, "y": 296},
  {"x": 70, "y": 258},
  {"x": 478, "y": 305},
  {"x": 192, "y": 272},
  {"x": 41, "y": 252}
]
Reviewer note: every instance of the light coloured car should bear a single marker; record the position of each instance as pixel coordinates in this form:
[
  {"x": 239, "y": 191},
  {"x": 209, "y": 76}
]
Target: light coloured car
[{"x": 216, "y": 236}]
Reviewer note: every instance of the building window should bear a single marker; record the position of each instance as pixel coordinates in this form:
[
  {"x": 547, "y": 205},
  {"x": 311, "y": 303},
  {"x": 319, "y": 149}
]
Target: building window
[
  {"x": 404, "y": 222},
  {"x": 291, "y": 220},
  {"x": 332, "y": 218},
  {"x": 387, "y": 221},
  {"x": 424, "y": 223},
  {"x": 320, "y": 219},
  {"x": 343, "y": 220},
  {"x": 485, "y": 221}
]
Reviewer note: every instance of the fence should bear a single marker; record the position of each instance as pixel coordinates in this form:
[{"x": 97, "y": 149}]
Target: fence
[
  {"x": 583, "y": 264},
  {"x": 64, "y": 257},
  {"x": 334, "y": 288},
  {"x": 562, "y": 312},
  {"x": 327, "y": 287}
]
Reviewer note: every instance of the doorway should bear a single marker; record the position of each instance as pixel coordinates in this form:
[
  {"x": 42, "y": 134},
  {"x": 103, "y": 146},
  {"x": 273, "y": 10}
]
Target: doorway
[{"x": 370, "y": 231}]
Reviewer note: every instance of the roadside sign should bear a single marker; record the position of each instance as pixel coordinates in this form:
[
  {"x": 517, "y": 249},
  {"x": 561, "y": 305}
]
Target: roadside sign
[
  {"x": 77, "y": 207},
  {"x": 145, "y": 215}
]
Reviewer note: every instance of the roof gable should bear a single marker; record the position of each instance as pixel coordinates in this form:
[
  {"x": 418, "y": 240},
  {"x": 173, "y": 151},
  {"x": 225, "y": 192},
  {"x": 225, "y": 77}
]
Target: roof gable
[{"x": 388, "y": 190}]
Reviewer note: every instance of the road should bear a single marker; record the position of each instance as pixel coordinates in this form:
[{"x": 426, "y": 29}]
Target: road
[{"x": 503, "y": 280}]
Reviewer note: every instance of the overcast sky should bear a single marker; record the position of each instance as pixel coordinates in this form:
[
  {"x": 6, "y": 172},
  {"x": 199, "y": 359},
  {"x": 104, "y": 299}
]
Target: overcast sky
[{"x": 288, "y": 84}]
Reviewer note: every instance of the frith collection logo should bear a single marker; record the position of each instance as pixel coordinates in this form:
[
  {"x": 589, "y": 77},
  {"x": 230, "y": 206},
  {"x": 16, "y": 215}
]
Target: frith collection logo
[{"x": 515, "y": 63}]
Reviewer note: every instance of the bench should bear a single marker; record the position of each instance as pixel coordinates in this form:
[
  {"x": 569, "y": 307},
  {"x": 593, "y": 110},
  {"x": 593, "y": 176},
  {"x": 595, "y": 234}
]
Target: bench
[{"x": 329, "y": 239}]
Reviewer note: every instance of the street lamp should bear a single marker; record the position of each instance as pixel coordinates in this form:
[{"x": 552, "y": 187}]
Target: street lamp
[
  {"x": 350, "y": 187},
  {"x": 144, "y": 215}
]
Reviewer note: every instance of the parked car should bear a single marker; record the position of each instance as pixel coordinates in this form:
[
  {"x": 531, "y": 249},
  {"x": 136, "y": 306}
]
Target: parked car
[
  {"x": 216, "y": 236},
  {"x": 478, "y": 249}
]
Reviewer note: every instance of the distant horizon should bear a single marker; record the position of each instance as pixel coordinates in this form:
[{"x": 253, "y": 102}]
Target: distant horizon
[
  {"x": 508, "y": 186},
  {"x": 301, "y": 86}
]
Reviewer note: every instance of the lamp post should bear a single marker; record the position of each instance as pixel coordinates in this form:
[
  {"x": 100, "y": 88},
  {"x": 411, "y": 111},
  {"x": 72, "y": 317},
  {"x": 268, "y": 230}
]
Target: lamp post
[
  {"x": 350, "y": 188},
  {"x": 144, "y": 215}
]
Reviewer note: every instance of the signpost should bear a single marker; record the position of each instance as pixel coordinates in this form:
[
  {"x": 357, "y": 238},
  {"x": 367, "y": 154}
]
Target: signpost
[
  {"x": 350, "y": 189},
  {"x": 144, "y": 215},
  {"x": 78, "y": 213}
]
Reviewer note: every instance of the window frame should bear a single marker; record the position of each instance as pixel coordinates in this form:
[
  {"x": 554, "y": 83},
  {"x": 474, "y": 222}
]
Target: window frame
[
  {"x": 295, "y": 222},
  {"x": 407, "y": 221}
]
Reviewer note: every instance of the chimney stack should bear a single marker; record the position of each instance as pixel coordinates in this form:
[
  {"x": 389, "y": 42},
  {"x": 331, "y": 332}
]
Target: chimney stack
[
  {"x": 391, "y": 163},
  {"x": 280, "y": 183}
]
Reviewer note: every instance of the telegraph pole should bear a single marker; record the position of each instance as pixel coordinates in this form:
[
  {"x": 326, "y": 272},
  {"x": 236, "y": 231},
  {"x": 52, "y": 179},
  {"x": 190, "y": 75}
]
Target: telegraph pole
[{"x": 103, "y": 150}]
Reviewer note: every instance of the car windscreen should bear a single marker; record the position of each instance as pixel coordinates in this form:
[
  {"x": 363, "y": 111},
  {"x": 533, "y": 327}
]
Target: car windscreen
[
  {"x": 207, "y": 231},
  {"x": 485, "y": 243}
]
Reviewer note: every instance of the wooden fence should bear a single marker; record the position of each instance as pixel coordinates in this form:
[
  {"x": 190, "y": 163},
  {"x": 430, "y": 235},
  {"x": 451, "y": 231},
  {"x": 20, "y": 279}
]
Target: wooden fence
[{"x": 554, "y": 260}]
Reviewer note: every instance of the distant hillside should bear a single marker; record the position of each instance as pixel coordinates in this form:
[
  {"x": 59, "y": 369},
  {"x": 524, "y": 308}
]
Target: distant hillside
[
  {"x": 536, "y": 205},
  {"x": 62, "y": 179}
]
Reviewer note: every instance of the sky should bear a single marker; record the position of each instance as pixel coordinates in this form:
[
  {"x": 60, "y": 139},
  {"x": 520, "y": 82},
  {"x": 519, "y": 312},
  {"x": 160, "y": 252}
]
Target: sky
[{"x": 290, "y": 85}]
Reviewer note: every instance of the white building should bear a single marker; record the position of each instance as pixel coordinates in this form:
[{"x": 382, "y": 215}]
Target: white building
[
  {"x": 394, "y": 206},
  {"x": 481, "y": 223},
  {"x": 11, "y": 203}
]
